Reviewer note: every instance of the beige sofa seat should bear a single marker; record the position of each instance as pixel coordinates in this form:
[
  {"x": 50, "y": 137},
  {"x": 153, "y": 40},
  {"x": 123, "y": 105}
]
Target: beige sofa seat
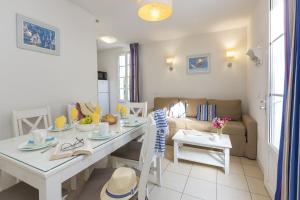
[{"x": 242, "y": 130}]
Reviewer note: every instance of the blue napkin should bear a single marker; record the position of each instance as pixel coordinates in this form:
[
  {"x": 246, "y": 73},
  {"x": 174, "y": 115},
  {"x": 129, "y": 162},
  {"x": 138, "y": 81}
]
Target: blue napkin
[{"x": 48, "y": 139}]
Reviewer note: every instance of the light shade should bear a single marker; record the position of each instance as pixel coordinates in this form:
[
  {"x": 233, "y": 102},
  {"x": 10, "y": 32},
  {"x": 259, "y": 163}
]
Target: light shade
[
  {"x": 231, "y": 54},
  {"x": 169, "y": 60},
  {"x": 108, "y": 39},
  {"x": 155, "y": 10},
  {"x": 170, "y": 63}
]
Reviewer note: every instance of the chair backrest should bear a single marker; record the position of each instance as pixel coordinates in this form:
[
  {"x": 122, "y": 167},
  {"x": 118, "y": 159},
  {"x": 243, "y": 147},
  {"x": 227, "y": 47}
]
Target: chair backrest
[
  {"x": 32, "y": 118},
  {"x": 146, "y": 155},
  {"x": 137, "y": 109}
]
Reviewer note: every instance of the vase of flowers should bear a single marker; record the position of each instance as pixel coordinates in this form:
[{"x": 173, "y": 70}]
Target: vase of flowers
[{"x": 219, "y": 124}]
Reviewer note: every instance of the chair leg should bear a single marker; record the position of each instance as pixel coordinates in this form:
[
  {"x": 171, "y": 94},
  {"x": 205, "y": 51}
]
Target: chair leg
[
  {"x": 74, "y": 183},
  {"x": 114, "y": 163}
]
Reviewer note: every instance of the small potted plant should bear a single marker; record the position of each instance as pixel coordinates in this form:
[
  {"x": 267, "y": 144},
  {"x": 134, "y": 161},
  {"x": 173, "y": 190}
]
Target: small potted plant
[{"x": 219, "y": 124}]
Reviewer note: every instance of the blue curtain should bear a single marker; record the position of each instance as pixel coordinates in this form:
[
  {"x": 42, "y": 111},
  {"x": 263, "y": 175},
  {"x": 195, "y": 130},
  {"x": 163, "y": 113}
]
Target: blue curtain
[
  {"x": 288, "y": 179},
  {"x": 134, "y": 70}
]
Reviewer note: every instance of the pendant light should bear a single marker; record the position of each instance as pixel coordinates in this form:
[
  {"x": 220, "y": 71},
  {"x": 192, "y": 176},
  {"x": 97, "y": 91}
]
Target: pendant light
[{"x": 155, "y": 10}]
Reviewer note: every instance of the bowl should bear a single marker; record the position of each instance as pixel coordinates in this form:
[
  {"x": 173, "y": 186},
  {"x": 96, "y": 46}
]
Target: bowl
[
  {"x": 87, "y": 127},
  {"x": 111, "y": 119}
]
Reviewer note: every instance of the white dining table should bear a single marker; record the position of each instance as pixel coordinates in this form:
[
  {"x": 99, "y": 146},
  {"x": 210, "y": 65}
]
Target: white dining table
[{"x": 36, "y": 169}]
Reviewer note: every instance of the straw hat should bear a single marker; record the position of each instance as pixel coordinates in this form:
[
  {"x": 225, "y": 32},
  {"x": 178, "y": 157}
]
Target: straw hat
[{"x": 122, "y": 185}]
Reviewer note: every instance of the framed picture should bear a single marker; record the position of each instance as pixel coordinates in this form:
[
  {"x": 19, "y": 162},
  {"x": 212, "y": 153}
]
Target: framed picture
[
  {"x": 37, "y": 36},
  {"x": 198, "y": 64}
]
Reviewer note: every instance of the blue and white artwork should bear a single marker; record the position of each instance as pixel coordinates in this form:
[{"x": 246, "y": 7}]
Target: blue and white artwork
[
  {"x": 198, "y": 64},
  {"x": 37, "y": 36}
]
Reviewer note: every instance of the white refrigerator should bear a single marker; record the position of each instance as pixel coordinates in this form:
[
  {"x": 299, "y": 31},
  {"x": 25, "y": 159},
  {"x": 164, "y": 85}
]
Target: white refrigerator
[{"x": 103, "y": 96}]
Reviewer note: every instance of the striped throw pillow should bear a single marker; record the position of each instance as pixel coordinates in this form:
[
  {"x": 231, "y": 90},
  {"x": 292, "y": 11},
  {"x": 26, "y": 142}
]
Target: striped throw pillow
[
  {"x": 202, "y": 112},
  {"x": 211, "y": 112}
]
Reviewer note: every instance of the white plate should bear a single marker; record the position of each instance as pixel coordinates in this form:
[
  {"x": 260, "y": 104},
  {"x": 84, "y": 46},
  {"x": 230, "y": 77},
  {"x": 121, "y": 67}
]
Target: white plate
[
  {"x": 87, "y": 127},
  {"x": 54, "y": 129},
  {"x": 97, "y": 136},
  {"x": 134, "y": 124},
  {"x": 26, "y": 146}
]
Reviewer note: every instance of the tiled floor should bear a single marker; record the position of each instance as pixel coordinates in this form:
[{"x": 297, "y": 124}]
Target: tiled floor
[{"x": 191, "y": 181}]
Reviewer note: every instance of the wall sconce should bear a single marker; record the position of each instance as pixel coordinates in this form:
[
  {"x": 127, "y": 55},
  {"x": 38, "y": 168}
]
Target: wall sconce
[
  {"x": 170, "y": 63},
  {"x": 230, "y": 55}
]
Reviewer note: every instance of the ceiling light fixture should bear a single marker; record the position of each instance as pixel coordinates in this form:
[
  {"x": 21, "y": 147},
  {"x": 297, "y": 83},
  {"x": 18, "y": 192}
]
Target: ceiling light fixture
[
  {"x": 108, "y": 39},
  {"x": 155, "y": 10}
]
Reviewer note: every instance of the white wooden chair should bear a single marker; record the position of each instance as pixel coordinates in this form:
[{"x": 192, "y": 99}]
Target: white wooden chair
[
  {"x": 32, "y": 118},
  {"x": 137, "y": 109},
  {"x": 129, "y": 154},
  {"x": 99, "y": 177}
]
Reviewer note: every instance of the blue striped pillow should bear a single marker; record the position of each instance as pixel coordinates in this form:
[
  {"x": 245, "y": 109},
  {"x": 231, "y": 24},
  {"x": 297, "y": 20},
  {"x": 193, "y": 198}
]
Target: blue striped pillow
[
  {"x": 211, "y": 112},
  {"x": 202, "y": 112}
]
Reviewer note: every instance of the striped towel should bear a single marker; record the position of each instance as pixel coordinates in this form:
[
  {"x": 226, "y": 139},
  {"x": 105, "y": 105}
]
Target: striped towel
[{"x": 162, "y": 129}]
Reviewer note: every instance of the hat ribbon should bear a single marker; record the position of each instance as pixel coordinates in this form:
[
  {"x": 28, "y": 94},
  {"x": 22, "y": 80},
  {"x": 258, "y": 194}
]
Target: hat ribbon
[{"x": 120, "y": 196}]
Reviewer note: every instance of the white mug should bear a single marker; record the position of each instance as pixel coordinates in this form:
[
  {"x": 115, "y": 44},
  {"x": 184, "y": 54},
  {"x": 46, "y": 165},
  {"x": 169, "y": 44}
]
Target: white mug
[
  {"x": 39, "y": 136},
  {"x": 103, "y": 127},
  {"x": 131, "y": 119}
]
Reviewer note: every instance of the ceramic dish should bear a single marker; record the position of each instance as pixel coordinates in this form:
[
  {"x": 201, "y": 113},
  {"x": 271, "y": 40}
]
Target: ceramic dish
[
  {"x": 98, "y": 136},
  {"x": 87, "y": 127},
  {"x": 30, "y": 146},
  {"x": 54, "y": 129},
  {"x": 132, "y": 124}
]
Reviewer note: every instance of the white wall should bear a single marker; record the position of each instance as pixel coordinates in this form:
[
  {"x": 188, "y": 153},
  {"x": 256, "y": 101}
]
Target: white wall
[
  {"x": 222, "y": 82},
  {"x": 257, "y": 89},
  {"x": 30, "y": 79}
]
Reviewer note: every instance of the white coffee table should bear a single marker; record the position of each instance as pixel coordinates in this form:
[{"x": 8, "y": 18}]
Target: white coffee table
[{"x": 217, "y": 155}]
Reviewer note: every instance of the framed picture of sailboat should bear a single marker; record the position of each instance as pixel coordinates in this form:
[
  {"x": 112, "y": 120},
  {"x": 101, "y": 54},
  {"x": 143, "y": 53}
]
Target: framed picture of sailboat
[
  {"x": 37, "y": 36},
  {"x": 198, "y": 64}
]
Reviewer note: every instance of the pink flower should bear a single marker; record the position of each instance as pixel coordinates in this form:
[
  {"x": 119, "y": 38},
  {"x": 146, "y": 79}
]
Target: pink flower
[{"x": 219, "y": 123}]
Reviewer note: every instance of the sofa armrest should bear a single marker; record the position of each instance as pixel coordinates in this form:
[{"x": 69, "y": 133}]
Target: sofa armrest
[{"x": 251, "y": 136}]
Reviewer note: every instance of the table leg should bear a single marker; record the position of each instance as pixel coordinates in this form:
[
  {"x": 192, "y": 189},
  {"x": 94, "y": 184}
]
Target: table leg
[
  {"x": 227, "y": 160},
  {"x": 175, "y": 152},
  {"x": 50, "y": 191}
]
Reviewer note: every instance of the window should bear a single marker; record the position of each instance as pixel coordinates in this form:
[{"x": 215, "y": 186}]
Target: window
[
  {"x": 277, "y": 70},
  {"x": 124, "y": 77}
]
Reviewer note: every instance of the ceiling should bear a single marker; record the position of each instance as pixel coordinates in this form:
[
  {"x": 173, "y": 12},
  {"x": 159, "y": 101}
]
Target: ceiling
[{"x": 119, "y": 18}]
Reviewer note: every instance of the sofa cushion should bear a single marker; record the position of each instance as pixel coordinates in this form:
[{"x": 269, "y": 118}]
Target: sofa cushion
[
  {"x": 176, "y": 123},
  {"x": 177, "y": 110},
  {"x": 164, "y": 102},
  {"x": 235, "y": 128},
  {"x": 202, "y": 112},
  {"x": 191, "y": 107},
  {"x": 228, "y": 108},
  {"x": 193, "y": 123}
]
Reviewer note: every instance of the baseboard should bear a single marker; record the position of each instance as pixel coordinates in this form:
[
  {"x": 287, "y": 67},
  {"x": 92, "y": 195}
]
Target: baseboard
[
  {"x": 269, "y": 190},
  {"x": 260, "y": 165}
]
